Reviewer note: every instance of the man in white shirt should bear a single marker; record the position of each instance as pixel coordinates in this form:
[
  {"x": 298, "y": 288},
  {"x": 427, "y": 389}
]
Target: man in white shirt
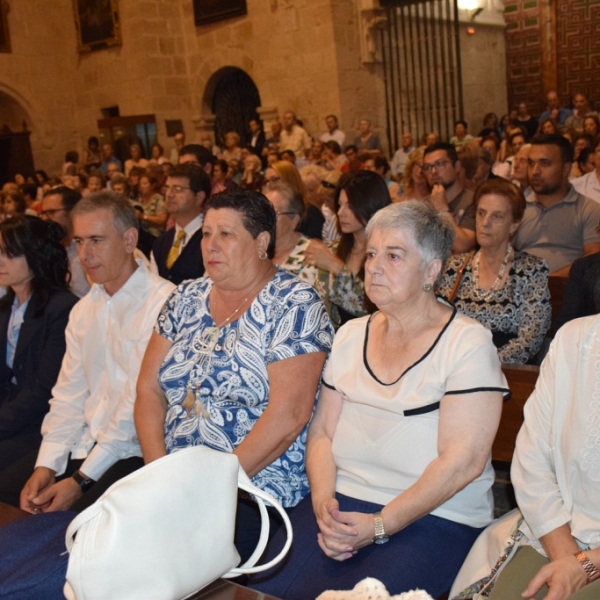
[
  {"x": 176, "y": 254},
  {"x": 89, "y": 438},
  {"x": 293, "y": 137},
  {"x": 57, "y": 205},
  {"x": 588, "y": 185},
  {"x": 401, "y": 156},
  {"x": 334, "y": 133}
]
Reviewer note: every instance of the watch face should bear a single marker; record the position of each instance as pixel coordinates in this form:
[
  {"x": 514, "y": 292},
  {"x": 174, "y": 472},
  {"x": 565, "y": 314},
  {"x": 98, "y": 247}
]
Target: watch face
[{"x": 381, "y": 540}]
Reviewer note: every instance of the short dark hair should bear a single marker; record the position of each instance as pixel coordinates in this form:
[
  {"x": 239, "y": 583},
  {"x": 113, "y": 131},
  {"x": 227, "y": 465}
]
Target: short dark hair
[
  {"x": 584, "y": 155},
  {"x": 334, "y": 147},
  {"x": 29, "y": 189},
  {"x": 197, "y": 176},
  {"x": 39, "y": 241},
  {"x": 494, "y": 139},
  {"x": 554, "y": 139},
  {"x": 257, "y": 212},
  {"x": 202, "y": 154},
  {"x": 507, "y": 189},
  {"x": 123, "y": 213},
  {"x": 72, "y": 156},
  {"x": 70, "y": 197},
  {"x": 450, "y": 150},
  {"x": 461, "y": 122},
  {"x": 222, "y": 165}
]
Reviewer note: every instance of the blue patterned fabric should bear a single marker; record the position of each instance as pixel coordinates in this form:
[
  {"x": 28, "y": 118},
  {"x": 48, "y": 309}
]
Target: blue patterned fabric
[{"x": 216, "y": 380}]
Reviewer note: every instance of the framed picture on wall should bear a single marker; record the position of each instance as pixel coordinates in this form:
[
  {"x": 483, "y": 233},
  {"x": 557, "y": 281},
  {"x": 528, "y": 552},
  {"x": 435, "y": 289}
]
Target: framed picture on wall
[
  {"x": 97, "y": 23},
  {"x": 4, "y": 36},
  {"x": 210, "y": 11}
]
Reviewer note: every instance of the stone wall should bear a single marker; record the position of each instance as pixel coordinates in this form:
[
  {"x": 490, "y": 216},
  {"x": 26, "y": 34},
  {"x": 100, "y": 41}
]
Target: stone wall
[{"x": 303, "y": 55}]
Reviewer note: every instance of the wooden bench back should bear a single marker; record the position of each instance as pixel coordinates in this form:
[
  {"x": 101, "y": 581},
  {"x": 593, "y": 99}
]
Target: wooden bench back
[{"x": 521, "y": 381}]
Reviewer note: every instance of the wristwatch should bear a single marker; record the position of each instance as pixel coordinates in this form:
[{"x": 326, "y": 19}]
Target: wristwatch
[
  {"x": 589, "y": 567},
  {"x": 381, "y": 537},
  {"x": 85, "y": 483}
]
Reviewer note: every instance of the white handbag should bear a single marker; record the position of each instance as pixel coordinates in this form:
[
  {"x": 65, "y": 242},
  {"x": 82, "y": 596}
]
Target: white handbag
[{"x": 165, "y": 531}]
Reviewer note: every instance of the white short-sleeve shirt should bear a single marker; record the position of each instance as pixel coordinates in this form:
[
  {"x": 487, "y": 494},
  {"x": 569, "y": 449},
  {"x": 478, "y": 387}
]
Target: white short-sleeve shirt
[{"x": 387, "y": 434}]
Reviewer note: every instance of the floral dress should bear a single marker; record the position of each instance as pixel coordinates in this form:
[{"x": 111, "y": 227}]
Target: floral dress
[{"x": 518, "y": 313}]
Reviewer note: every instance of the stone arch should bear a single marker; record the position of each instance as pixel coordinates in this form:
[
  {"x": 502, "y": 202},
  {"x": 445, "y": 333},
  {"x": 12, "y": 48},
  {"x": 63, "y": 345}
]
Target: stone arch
[
  {"x": 231, "y": 98},
  {"x": 17, "y": 127},
  {"x": 15, "y": 110}
]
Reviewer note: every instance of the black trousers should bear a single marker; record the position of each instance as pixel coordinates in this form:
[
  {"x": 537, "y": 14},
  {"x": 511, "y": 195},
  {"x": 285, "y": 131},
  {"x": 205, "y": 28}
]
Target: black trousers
[{"x": 14, "y": 478}]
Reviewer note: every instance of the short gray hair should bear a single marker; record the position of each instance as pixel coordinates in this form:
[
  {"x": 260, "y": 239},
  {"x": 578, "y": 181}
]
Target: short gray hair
[
  {"x": 291, "y": 196},
  {"x": 432, "y": 232},
  {"x": 124, "y": 216}
]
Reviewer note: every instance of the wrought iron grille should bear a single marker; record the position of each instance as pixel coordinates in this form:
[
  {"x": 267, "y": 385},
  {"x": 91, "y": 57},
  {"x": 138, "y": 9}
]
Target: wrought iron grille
[{"x": 421, "y": 61}]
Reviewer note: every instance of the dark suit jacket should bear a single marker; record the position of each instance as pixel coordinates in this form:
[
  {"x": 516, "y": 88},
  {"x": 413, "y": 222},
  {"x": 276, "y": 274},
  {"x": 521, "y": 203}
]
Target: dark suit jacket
[
  {"x": 189, "y": 264},
  {"x": 578, "y": 300},
  {"x": 260, "y": 142},
  {"x": 38, "y": 357}
]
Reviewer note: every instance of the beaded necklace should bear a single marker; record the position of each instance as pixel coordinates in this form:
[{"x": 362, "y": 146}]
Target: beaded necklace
[{"x": 487, "y": 295}]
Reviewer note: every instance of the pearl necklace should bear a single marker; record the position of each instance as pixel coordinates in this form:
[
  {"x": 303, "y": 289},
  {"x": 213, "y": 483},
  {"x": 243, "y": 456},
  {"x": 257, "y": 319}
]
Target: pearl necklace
[{"x": 487, "y": 295}]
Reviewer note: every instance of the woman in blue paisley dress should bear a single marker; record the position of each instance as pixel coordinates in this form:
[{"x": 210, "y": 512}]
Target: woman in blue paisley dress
[
  {"x": 504, "y": 290},
  {"x": 236, "y": 357}
]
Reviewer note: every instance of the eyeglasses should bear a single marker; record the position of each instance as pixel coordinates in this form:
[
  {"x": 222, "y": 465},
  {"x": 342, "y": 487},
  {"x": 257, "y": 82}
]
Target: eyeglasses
[
  {"x": 438, "y": 165},
  {"x": 52, "y": 211},
  {"x": 176, "y": 189}
]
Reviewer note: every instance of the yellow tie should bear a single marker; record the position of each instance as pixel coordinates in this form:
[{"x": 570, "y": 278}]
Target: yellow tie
[{"x": 174, "y": 251}]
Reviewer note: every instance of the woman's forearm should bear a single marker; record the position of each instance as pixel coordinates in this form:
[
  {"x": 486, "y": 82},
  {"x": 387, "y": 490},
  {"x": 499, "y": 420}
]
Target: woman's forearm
[
  {"x": 559, "y": 542},
  {"x": 442, "y": 478},
  {"x": 270, "y": 437},
  {"x": 149, "y": 417},
  {"x": 320, "y": 466}
]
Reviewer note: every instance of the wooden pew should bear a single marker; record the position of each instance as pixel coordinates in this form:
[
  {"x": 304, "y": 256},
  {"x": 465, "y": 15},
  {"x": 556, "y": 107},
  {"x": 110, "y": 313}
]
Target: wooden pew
[
  {"x": 521, "y": 381},
  {"x": 556, "y": 285}
]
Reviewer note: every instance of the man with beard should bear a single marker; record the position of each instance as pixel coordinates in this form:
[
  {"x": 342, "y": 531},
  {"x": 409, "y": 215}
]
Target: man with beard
[
  {"x": 559, "y": 224},
  {"x": 442, "y": 169}
]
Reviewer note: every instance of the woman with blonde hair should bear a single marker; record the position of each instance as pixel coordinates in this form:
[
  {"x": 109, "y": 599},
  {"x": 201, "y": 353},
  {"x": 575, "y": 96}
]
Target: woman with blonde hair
[
  {"x": 252, "y": 178},
  {"x": 414, "y": 186},
  {"x": 232, "y": 147}
]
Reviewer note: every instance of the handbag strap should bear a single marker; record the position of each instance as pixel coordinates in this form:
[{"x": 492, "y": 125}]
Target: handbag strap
[
  {"x": 261, "y": 497},
  {"x": 83, "y": 517},
  {"x": 459, "y": 275}
]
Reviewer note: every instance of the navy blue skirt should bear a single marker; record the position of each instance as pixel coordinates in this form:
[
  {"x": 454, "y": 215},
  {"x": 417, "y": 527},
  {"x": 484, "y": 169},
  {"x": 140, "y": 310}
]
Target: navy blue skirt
[{"x": 426, "y": 555}]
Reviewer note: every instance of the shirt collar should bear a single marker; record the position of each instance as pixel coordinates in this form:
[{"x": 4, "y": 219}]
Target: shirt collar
[
  {"x": 131, "y": 287},
  {"x": 191, "y": 228},
  {"x": 571, "y": 197}
]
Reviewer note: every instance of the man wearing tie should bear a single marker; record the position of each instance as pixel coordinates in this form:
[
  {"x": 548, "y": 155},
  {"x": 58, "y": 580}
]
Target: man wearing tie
[{"x": 176, "y": 253}]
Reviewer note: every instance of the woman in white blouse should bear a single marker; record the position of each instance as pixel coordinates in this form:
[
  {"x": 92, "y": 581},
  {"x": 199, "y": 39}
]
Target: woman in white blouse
[{"x": 398, "y": 453}]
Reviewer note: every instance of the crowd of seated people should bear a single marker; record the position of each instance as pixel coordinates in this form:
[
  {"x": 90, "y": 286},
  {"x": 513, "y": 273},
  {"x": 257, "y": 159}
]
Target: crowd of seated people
[{"x": 433, "y": 270}]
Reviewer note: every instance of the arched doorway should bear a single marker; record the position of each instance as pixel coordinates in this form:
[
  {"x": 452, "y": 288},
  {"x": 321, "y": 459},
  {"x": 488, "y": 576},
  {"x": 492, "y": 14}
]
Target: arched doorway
[
  {"x": 235, "y": 100},
  {"x": 15, "y": 147}
]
